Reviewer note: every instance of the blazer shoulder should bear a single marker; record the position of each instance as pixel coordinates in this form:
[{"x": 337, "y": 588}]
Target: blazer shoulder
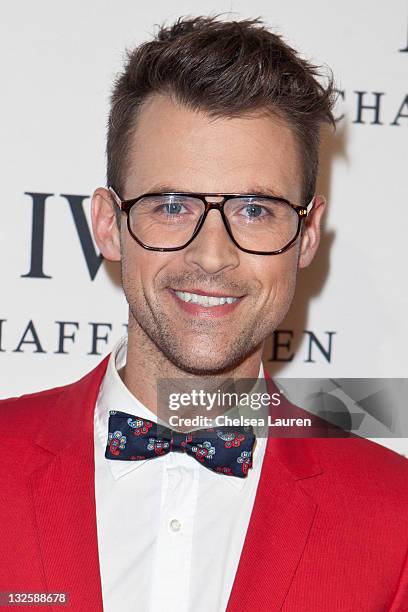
[
  {"x": 341, "y": 450},
  {"x": 373, "y": 471},
  {"x": 361, "y": 452},
  {"x": 25, "y": 410}
]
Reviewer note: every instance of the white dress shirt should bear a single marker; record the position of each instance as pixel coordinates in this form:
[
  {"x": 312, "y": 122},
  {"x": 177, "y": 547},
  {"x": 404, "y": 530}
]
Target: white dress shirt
[{"x": 170, "y": 531}]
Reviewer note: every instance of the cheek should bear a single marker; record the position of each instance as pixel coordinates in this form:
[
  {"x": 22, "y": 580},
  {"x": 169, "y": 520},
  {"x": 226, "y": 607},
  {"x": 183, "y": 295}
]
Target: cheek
[
  {"x": 279, "y": 276},
  {"x": 133, "y": 266},
  {"x": 141, "y": 268}
]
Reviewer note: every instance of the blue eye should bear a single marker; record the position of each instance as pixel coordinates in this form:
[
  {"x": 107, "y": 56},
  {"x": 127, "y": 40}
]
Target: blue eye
[
  {"x": 172, "y": 208},
  {"x": 254, "y": 210}
]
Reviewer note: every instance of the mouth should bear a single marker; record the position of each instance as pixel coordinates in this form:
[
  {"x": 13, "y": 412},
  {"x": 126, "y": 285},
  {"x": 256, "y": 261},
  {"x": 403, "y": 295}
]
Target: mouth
[{"x": 200, "y": 303}]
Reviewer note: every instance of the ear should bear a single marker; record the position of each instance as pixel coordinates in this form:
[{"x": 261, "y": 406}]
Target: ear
[
  {"x": 104, "y": 225},
  {"x": 311, "y": 232}
]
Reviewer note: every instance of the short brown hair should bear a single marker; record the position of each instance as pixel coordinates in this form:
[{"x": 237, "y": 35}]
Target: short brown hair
[{"x": 225, "y": 68}]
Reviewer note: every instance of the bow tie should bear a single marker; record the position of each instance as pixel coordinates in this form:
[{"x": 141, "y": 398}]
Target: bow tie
[{"x": 220, "y": 449}]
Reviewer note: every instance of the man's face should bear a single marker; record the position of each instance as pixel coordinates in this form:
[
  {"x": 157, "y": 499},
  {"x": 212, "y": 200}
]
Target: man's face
[{"x": 185, "y": 150}]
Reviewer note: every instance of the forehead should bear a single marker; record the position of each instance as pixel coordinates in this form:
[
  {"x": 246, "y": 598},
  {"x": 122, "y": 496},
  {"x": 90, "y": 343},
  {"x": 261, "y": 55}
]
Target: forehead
[{"x": 176, "y": 146}]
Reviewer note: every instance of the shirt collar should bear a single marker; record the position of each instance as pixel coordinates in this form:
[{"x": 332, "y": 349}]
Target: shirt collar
[{"x": 114, "y": 395}]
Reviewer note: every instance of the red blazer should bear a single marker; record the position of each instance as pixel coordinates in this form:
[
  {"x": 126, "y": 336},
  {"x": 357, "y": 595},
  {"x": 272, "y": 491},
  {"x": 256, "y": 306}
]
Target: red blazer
[{"x": 328, "y": 531}]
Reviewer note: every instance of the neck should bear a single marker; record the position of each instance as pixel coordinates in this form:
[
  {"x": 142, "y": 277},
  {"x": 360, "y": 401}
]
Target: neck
[{"x": 146, "y": 364}]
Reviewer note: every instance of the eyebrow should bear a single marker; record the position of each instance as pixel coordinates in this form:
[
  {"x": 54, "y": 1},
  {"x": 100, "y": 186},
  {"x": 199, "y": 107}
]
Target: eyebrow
[{"x": 255, "y": 190}]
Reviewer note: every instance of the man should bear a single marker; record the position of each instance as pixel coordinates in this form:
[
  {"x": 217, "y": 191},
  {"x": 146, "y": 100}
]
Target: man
[{"x": 211, "y": 209}]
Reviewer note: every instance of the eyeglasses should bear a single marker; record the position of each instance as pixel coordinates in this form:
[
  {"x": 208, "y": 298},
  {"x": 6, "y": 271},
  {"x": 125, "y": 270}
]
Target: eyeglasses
[{"x": 256, "y": 223}]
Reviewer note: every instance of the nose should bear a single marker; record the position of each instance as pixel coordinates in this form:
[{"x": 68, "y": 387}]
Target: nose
[{"x": 212, "y": 250}]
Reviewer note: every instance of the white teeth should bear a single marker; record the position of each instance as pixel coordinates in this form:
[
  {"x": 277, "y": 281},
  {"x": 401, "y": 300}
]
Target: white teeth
[{"x": 204, "y": 300}]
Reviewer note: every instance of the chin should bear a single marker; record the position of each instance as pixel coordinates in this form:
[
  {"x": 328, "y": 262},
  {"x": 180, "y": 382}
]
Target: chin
[
  {"x": 199, "y": 370},
  {"x": 204, "y": 365}
]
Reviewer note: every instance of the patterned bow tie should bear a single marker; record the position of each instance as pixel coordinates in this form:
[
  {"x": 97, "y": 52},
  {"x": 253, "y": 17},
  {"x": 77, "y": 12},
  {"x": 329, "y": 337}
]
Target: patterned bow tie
[{"x": 220, "y": 449}]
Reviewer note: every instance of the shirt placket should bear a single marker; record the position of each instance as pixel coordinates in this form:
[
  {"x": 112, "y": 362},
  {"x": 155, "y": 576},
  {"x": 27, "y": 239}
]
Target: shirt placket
[{"x": 172, "y": 565}]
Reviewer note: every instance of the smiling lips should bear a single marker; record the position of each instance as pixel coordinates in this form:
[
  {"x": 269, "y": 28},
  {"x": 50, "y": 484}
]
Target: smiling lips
[
  {"x": 205, "y": 300},
  {"x": 206, "y": 303}
]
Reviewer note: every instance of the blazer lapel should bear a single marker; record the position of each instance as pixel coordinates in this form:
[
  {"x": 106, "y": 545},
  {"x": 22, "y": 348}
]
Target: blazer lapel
[
  {"x": 63, "y": 494},
  {"x": 280, "y": 524}
]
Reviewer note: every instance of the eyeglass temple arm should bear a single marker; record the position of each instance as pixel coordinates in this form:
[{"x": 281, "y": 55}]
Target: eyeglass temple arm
[
  {"x": 310, "y": 205},
  {"x": 116, "y": 197}
]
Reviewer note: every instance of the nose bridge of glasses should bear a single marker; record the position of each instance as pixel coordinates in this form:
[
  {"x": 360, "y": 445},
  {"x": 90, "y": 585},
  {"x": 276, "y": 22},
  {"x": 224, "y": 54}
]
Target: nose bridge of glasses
[{"x": 213, "y": 201}]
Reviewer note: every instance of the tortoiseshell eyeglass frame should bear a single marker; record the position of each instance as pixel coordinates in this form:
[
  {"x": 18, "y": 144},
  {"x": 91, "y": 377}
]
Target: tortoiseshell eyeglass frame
[{"x": 126, "y": 206}]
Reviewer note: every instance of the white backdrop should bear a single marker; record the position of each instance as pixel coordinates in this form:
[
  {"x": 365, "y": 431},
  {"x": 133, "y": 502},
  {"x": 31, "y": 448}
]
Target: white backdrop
[{"x": 57, "y": 65}]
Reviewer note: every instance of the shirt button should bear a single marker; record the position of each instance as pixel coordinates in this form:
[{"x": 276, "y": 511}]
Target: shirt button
[{"x": 175, "y": 525}]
